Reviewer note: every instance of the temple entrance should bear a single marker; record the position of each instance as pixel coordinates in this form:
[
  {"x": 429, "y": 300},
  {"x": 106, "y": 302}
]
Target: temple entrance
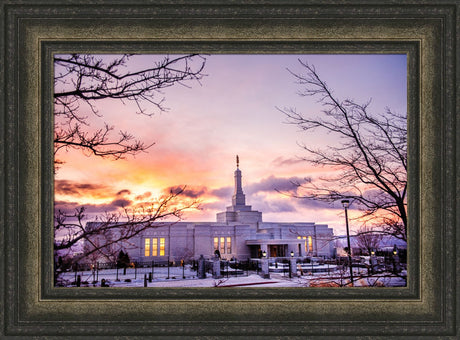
[
  {"x": 277, "y": 250},
  {"x": 256, "y": 252}
]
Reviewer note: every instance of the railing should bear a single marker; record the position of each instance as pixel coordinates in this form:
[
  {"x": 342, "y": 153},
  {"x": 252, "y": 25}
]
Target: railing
[
  {"x": 330, "y": 271},
  {"x": 85, "y": 273}
]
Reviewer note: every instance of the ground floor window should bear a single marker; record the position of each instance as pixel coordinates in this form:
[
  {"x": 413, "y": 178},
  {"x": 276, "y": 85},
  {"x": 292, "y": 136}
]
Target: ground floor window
[
  {"x": 151, "y": 246},
  {"x": 147, "y": 247},
  {"x": 154, "y": 247},
  {"x": 229, "y": 245},
  {"x": 223, "y": 244},
  {"x": 308, "y": 243},
  {"x": 162, "y": 247}
]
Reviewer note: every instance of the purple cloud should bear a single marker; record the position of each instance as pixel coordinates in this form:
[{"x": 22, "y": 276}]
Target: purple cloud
[
  {"x": 224, "y": 192},
  {"x": 123, "y": 192},
  {"x": 281, "y": 161},
  {"x": 273, "y": 205},
  {"x": 65, "y": 187},
  {"x": 272, "y": 183},
  {"x": 144, "y": 196},
  {"x": 311, "y": 203},
  {"x": 188, "y": 192},
  {"x": 122, "y": 203},
  {"x": 69, "y": 207}
]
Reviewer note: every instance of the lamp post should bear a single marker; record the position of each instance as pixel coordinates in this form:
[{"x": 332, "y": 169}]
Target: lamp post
[
  {"x": 182, "y": 263},
  {"x": 395, "y": 258},
  {"x": 265, "y": 266},
  {"x": 372, "y": 260},
  {"x": 292, "y": 265},
  {"x": 346, "y": 204}
]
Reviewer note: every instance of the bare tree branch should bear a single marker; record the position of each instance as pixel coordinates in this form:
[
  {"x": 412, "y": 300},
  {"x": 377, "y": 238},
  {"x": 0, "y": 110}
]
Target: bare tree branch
[
  {"x": 84, "y": 80},
  {"x": 81, "y": 83},
  {"x": 121, "y": 226},
  {"x": 371, "y": 159}
]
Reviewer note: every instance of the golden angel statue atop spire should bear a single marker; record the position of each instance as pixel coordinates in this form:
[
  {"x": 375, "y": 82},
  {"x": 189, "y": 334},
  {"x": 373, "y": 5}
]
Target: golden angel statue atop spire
[{"x": 237, "y": 161}]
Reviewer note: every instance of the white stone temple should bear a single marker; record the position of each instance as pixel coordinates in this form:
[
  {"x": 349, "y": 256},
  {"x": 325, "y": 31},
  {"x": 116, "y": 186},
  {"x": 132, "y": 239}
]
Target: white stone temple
[{"x": 239, "y": 232}]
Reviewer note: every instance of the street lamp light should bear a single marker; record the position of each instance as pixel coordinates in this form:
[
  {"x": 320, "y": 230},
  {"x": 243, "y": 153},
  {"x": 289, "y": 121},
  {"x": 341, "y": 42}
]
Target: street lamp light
[
  {"x": 292, "y": 253},
  {"x": 346, "y": 204},
  {"x": 372, "y": 261},
  {"x": 395, "y": 259},
  {"x": 264, "y": 254}
]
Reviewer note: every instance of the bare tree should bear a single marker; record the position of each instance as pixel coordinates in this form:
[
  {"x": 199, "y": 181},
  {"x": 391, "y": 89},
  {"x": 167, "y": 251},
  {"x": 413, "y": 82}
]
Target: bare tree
[
  {"x": 368, "y": 239},
  {"x": 83, "y": 80},
  {"x": 371, "y": 160},
  {"x": 81, "y": 83},
  {"x": 103, "y": 237}
]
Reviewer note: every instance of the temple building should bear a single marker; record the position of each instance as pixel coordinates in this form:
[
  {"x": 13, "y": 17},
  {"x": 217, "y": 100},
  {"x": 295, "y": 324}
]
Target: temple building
[{"x": 239, "y": 232}]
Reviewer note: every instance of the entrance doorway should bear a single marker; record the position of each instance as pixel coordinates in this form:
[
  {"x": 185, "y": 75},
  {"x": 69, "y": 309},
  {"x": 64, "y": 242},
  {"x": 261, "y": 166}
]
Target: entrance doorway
[
  {"x": 256, "y": 252},
  {"x": 277, "y": 250}
]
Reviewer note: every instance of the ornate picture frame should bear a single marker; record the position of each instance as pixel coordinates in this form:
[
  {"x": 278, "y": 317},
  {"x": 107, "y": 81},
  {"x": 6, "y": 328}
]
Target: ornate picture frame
[{"x": 33, "y": 31}]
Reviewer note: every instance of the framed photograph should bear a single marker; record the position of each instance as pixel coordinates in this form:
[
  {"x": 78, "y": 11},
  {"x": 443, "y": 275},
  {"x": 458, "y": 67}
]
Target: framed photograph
[
  {"x": 169, "y": 213},
  {"x": 225, "y": 71}
]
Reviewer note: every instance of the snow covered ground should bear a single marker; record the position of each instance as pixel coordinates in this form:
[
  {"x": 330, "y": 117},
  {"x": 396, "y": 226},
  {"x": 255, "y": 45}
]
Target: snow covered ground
[{"x": 160, "y": 278}]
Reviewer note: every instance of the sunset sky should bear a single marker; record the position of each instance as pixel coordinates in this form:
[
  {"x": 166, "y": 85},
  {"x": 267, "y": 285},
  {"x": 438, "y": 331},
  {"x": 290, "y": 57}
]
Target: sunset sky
[{"x": 232, "y": 112}]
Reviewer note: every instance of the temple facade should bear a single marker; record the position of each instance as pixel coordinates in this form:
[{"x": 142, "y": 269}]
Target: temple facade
[{"x": 238, "y": 233}]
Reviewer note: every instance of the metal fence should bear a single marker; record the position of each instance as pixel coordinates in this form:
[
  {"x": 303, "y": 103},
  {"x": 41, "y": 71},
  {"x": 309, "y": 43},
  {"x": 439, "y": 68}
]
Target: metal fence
[
  {"x": 236, "y": 268},
  {"x": 90, "y": 273},
  {"x": 85, "y": 273}
]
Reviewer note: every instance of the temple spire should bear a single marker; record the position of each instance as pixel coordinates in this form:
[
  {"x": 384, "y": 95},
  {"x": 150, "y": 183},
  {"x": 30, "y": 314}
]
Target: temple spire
[
  {"x": 238, "y": 197},
  {"x": 239, "y": 211}
]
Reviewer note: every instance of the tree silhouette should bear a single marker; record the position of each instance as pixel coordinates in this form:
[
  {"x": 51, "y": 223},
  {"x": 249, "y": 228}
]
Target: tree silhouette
[
  {"x": 371, "y": 160},
  {"x": 367, "y": 239},
  {"x": 82, "y": 82}
]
